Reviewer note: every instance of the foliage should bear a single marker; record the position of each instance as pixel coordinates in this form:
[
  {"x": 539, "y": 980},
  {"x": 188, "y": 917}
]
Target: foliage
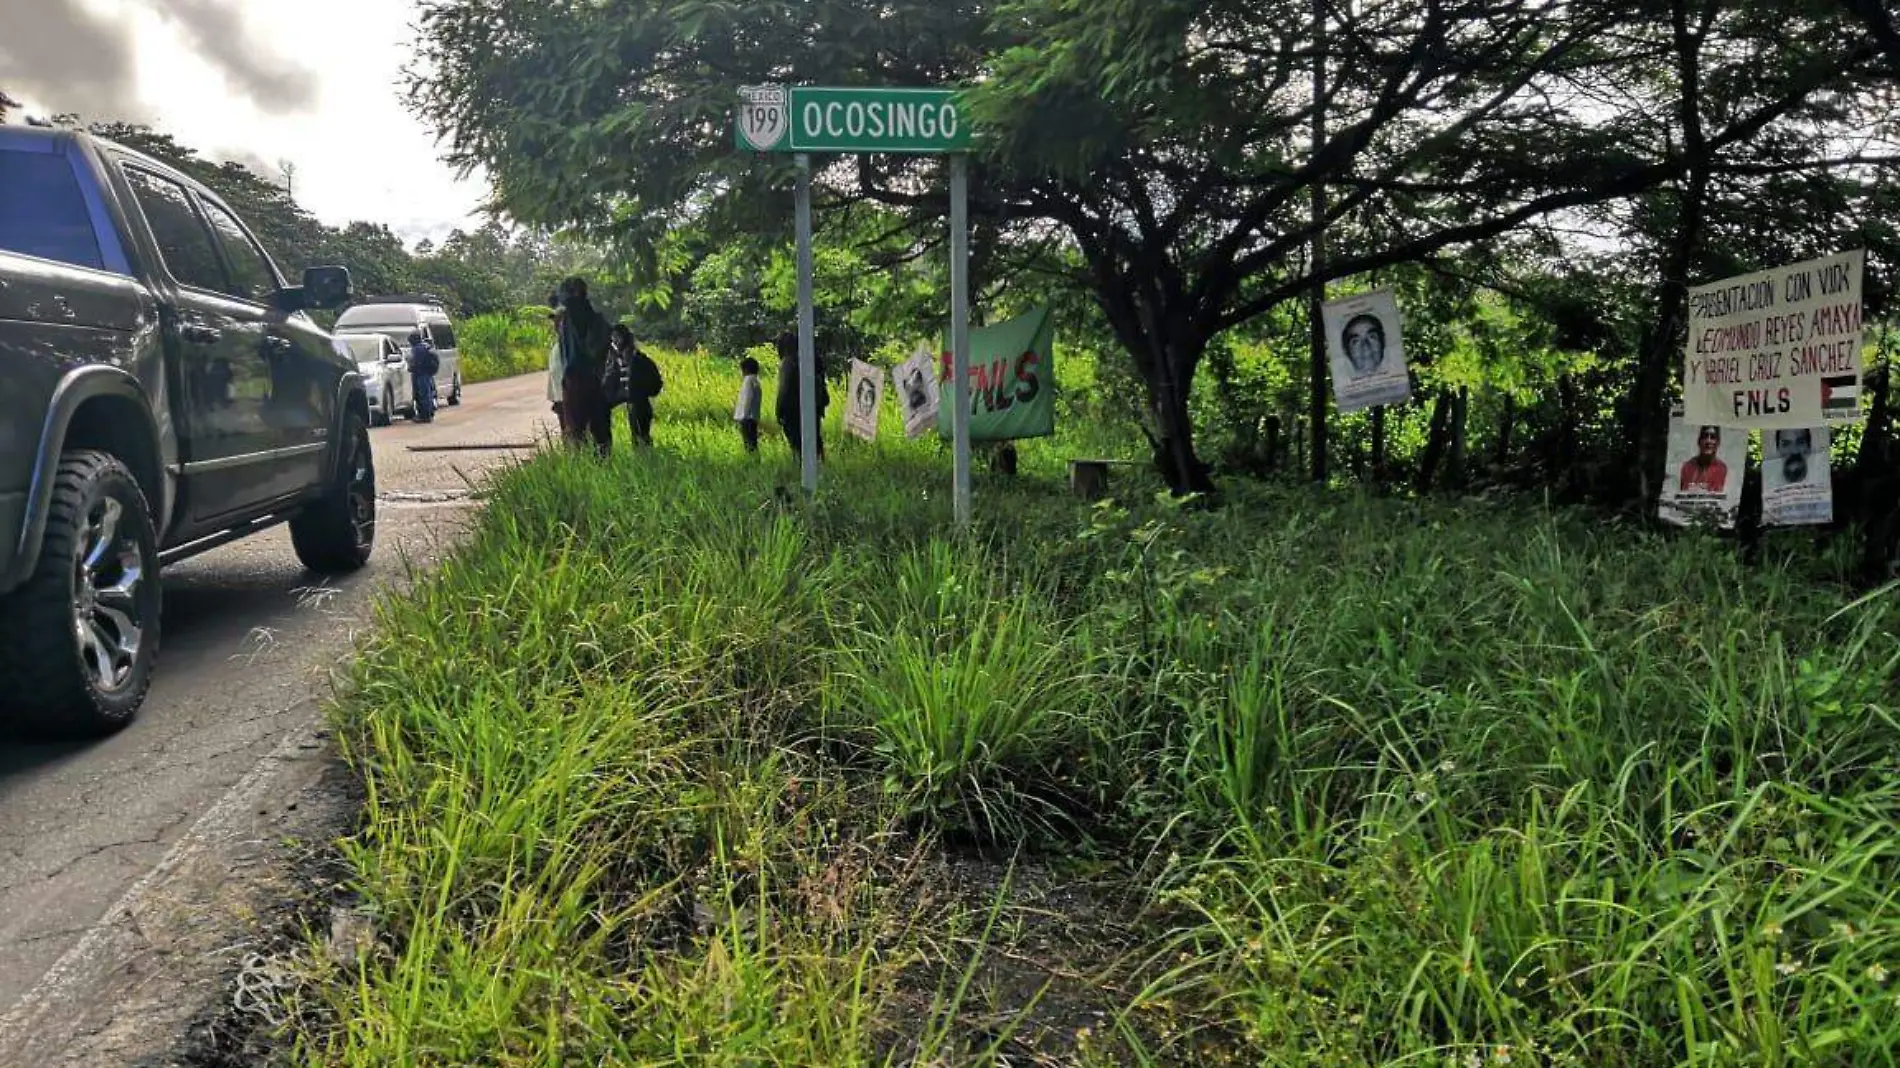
[
  {"x": 1387, "y": 782},
  {"x": 501, "y": 344},
  {"x": 1160, "y": 157}
]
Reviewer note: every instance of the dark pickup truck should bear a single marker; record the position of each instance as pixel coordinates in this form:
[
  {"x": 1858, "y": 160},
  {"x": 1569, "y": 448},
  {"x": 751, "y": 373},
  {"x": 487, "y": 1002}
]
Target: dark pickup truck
[{"x": 162, "y": 392}]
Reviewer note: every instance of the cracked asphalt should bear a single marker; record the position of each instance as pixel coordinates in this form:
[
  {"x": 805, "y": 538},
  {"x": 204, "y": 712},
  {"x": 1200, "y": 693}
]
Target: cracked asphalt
[{"x": 251, "y": 643}]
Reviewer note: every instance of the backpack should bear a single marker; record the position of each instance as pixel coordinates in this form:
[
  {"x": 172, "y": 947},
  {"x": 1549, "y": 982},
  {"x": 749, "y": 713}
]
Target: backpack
[{"x": 643, "y": 378}]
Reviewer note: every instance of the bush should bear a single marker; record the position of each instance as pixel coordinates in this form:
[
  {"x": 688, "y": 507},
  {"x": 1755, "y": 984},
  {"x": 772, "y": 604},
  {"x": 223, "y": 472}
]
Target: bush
[
  {"x": 652, "y": 762},
  {"x": 505, "y": 344}
]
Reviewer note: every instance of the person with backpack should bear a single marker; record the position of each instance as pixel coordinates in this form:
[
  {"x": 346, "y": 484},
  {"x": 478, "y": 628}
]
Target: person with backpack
[
  {"x": 634, "y": 379},
  {"x": 584, "y": 343},
  {"x": 423, "y": 364}
]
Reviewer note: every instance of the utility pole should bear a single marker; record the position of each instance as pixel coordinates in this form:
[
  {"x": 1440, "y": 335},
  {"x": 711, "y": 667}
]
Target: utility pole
[{"x": 1318, "y": 256}]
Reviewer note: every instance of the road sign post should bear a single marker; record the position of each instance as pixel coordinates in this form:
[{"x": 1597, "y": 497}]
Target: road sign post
[
  {"x": 804, "y": 119},
  {"x": 960, "y": 332},
  {"x": 807, "y": 329}
]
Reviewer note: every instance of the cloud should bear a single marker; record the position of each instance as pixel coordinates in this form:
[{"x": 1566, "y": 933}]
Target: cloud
[
  {"x": 60, "y": 54},
  {"x": 217, "y": 32},
  {"x": 68, "y": 57}
]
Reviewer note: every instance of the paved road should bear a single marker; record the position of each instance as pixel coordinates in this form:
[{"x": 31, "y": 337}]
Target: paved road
[{"x": 250, "y": 640}]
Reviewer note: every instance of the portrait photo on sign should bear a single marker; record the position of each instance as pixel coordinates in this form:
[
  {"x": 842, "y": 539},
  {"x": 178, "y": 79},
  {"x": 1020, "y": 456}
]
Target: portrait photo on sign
[
  {"x": 1702, "y": 473},
  {"x": 1797, "y": 482},
  {"x": 1367, "y": 352},
  {"x": 917, "y": 392},
  {"x": 867, "y": 393}
]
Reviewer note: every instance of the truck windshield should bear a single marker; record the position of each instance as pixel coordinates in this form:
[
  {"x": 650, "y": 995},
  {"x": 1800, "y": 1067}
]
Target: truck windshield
[{"x": 42, "y": 211}]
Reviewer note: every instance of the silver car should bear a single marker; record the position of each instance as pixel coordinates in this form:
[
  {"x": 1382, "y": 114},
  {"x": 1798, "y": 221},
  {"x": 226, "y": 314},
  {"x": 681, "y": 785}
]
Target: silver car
[{"x": 385, "y": 375}]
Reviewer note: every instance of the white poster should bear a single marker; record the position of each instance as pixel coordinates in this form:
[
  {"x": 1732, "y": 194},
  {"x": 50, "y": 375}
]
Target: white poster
[
  {"x": 1368, "y": 355},
  {"x": 867, "y": 392},
  {"x": 1702, "y": 476},
  {"x": 1797, "y": 484},
  {"x": 917, "y": 392},
  {"x": 1777, "y": 349}
]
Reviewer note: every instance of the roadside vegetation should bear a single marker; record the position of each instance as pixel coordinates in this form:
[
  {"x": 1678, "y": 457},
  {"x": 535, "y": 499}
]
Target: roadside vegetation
[
  {"x": 504, "y": 344},
  {"x": 668, "y": 766}
]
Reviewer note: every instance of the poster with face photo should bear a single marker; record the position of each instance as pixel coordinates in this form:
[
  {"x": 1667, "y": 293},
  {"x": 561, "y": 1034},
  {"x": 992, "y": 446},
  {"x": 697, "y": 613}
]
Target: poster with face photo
[
  {"x": 1368, "y": 355},
  {"x": 917, "y": 392},
  {"x": 1702, "y": 474},
  {"x": 1797, "y": 485},
  {"x": 867, "y": 393}
]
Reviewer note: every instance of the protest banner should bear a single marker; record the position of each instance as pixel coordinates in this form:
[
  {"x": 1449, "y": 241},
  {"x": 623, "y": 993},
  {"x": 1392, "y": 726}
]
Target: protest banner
[
  {"x": 1702, "y": 473},
  {"x": 917, "y": 392},
  {"x": 1797, "y": 480},
  {"x": 1777, "y": 350},
  {"x": 867, "y": 395},
  {"x": 1367, "y": 351},
  {"x": 1012, "y": 380}
]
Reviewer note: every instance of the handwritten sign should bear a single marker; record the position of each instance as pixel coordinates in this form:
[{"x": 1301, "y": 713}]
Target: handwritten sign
[{"x": 1777, "y": 349}]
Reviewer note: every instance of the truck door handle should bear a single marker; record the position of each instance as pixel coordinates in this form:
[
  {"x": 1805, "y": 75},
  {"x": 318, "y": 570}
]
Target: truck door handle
[{"x": 201, "y": 334}]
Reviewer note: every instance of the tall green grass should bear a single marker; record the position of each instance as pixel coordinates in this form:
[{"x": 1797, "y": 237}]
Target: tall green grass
[
  {"x": 504, "y": 344},
  {"x": 663, "y": 765}
]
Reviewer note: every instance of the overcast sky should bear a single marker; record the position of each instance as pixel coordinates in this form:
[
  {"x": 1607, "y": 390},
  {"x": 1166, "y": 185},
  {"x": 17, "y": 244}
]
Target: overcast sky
[{"x": 259, "y": 81}]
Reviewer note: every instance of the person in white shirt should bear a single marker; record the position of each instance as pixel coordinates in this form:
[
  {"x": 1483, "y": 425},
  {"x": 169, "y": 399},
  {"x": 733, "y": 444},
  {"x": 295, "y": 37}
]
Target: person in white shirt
[
  {"x": 746, "y": 411},
  {"x": 557, "y": 367}
]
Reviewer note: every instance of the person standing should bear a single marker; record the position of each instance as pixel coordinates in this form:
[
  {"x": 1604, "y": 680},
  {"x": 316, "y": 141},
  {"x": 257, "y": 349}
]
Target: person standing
[
  {"x": 423, "y": 364},
  {"x": 584, "y": 343},
  {"x": 745, "y": 411},
  {"x": 555, "y": 368},
  {"x": 788, "y": 409},
  {"x": 640, "y": 382}
]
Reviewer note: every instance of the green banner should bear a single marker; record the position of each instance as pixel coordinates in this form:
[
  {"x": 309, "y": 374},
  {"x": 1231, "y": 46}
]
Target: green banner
[{"x": 1012, "y": 380}]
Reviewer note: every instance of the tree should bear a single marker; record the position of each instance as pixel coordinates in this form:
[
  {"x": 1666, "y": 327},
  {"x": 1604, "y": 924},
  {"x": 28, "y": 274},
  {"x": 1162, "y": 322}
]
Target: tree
[
  {"x": 1164, "y": 142},
  {"x": 7, "y": 105}
]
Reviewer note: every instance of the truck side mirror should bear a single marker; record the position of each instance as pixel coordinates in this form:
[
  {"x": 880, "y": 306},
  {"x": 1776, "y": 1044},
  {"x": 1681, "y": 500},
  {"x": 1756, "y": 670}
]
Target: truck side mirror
[{"x": 326, "y": 287}]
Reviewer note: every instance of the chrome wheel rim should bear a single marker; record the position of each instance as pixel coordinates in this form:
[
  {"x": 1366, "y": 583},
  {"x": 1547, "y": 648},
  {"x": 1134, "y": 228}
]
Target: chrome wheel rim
[
  {"x": 362, "y": 495},
  {"x": 108, "y": 618}
]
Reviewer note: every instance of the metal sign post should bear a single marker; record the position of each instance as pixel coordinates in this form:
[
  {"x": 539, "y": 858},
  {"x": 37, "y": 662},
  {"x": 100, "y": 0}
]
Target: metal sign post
[
  {"x": 807, "y": 328},
  {"x": 960, "y": 329},
  {"x": 807, "y": 119}
]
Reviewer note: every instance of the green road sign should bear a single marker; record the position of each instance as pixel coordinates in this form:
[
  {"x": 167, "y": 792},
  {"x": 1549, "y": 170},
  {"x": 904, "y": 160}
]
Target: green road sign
[{"x": 774, "y": 118}]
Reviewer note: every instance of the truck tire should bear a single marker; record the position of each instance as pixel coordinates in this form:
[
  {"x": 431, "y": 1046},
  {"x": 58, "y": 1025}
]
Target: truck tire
[
  {"x": 384, "y": 414},
  {"x": 335, "y": 534},
  {"x": 79, "y": 639}
]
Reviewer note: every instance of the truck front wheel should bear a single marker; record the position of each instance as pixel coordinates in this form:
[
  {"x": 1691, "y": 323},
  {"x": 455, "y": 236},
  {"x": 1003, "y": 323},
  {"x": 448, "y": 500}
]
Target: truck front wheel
[
  {"x": 335, "y": 533},
  {"x": 78, "y": 640}
]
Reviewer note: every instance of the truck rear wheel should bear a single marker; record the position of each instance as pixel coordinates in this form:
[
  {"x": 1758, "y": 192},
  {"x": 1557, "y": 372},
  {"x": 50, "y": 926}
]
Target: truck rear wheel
[
  {"x": 335, "y": 534},
  {"x": 78, "y": 640}
]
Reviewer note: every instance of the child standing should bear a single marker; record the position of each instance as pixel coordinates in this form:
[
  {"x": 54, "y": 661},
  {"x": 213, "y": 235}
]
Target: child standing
[{"x": 746, "y": 411}]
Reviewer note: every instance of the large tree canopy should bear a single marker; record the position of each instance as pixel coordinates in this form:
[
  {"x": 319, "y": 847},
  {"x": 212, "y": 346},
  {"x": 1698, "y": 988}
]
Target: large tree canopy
[{"x": 1163, "y": 149}]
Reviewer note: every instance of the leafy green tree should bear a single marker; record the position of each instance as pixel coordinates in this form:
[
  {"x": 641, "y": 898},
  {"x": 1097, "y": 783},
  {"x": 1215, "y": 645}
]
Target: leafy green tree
[{"x": 1169, "y": 143}]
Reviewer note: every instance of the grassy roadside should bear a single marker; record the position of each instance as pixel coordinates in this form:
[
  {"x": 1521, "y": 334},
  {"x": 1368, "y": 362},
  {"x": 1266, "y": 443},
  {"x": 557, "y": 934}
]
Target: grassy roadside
[
  {"x": 667, "y": 767},
  {"x": 505, "y": 344}
]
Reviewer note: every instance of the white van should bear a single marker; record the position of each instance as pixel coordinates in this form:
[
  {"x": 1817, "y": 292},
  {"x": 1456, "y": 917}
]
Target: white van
[{"x": 398, "y": 321}]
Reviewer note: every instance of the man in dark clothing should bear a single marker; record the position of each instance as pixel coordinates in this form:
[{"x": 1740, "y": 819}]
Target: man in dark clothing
[
  {"x": 584, "y": 341},
  {"x": 423, "y": 364},
  {"x": 788, "y": 409},
  {"x": 640, "y": 382}
]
